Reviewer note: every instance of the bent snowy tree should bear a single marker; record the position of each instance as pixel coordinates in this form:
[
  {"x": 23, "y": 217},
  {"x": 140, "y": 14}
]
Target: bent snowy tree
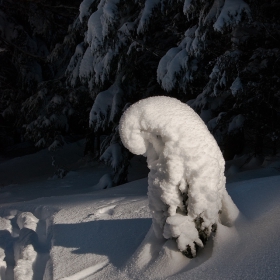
[{"x": 187, "y": 194}]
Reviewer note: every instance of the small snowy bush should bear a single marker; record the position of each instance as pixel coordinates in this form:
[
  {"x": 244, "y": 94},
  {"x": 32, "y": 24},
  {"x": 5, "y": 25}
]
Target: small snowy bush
[
  {"x": 187, "y": 194},
  {"x": 59, "y": 172}
]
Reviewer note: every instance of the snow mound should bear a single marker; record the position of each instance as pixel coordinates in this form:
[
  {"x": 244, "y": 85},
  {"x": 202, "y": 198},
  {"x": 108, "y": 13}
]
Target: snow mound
[
  {"x": 26, "y": 257},
  {"x": 5, "y": 224},
  {"x": 106, "y": 181},
  {"x": 3, "y": 264},
  {"x": 187, "y": 194},
  {"x": 27, "y": 220}
]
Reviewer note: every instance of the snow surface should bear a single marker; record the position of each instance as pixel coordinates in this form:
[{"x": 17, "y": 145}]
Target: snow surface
[
  {"x": 186, "y": 181},
  {"x": 85, "y": 234}
]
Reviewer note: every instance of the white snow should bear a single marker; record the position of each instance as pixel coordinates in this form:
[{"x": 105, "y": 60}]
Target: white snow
[
  {"x": 84, "y": 9},
  {"x": 236, "y": 86},
  {"x": 105, "y": 106},
  {"x": 5, "y": 224},
  {"x": 94, "y": 33},
  {"x": 214, "y": 11},
  {"x": 231, "y": 14},
  {"x": 27, "y": 220},
  {"x": 91, "y": 63},
  {"x": 41, "y": 143},
  {"x": 187, "y": 5},
  {"x": 186, "y": 181},
  {"x": 24, "y": 259},
  {"x": 3, "y": 264},
  {"x": 146, "y": 14},
  {"x": 74, "y": 65},
  {"x": 113, "y": 155},
  {"x": 86, "y": 272},
  {"x": 100, "y": 21},
  {"x": 86, "y": 66},
  {"x": 105, "y": 182},
  {"x": 179, "y": 63},
  {"x": 236, "y": 123},
  {"x": 87, "y": 234},
  {"x": 170, "y": 65},
  {"x": 57, "y": 99}
]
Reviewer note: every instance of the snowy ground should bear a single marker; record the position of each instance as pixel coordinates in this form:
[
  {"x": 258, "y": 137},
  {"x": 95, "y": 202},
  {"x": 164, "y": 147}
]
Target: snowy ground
[{"x": 53, "y": 228}]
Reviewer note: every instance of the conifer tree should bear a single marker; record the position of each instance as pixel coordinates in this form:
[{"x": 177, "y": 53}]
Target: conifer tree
[{"x": 74, "y": 67}]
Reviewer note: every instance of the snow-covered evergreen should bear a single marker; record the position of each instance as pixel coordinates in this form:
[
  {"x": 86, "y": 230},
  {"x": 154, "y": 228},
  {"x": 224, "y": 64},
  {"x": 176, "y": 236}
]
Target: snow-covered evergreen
[
  {"x": 220, "y": 56},
  {"x": 187, "y": 194},
  {"x": 197, "y": 56}
]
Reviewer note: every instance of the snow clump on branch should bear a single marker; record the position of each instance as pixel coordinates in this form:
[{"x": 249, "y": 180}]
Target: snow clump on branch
[{"x": 187, "y": 194}]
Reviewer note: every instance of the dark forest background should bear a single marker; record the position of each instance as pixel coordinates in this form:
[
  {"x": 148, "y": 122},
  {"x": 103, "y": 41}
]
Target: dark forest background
[{"x": 68, "y": 69}]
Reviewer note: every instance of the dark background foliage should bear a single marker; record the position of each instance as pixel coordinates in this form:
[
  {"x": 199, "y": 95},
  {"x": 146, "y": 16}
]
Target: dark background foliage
[{"x": 229, "y": 74}]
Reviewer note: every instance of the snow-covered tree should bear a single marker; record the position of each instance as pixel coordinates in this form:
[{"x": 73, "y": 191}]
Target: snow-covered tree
[
  {"x": 187, "y": 194},
  {"x": 93, "y": 58},
  {"x": 54, "y": 111},
  {"x": 197, "y": 51},
  {"x": 35, "y": 59},
  {"x": 234, "y": 101}
]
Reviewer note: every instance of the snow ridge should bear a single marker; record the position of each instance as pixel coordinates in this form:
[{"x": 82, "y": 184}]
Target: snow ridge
[{"x": 186, "y": 180}]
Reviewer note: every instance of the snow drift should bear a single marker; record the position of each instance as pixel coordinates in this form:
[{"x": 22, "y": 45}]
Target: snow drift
[
  {"x": 187, "y": 194},
  {"x": 86, "y": 234}
]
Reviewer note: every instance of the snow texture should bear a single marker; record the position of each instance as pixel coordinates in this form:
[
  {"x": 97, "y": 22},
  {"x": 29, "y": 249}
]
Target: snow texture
[
  {"x": 214, "y": 11},
  {"x": 91, "y": 63},
  {"x": 24, "y": 264},
  {"x": 186, "y": 180},
  {"x": 24, "y": 251},
  {"x": 170, "y": 65},
  {"x": 176, "y": 65},
  {"x": 236, "y": 86},
  {"x": 27, "y": 220},
  {"x": 74, "y": 65},
  {"x": 106, "y": 105},
  {"x": 94, "y": 33},
  {"x": 236, "y": 123},
  {"x": 146, "y": 14},
  {"x": 84, "y": 9},
  {"x": 187, "y": 5},
  {"x": 113, "y": 155},
  {"x": 5, "y": 224},
  {"x": 55, "y": 145},
  {"x": 231, "y": 14},
  {"x": 3, "y": 264},
  {"x": 86, "y": 67},
  {"x": 100, "y": 21},
  {"x": 100, "y": 235},
  {"x": 105, "y": 182}
]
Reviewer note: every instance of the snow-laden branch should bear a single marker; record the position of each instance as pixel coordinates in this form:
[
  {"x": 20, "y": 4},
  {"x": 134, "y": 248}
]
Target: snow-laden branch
[{"x": 187, "y": 194}]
